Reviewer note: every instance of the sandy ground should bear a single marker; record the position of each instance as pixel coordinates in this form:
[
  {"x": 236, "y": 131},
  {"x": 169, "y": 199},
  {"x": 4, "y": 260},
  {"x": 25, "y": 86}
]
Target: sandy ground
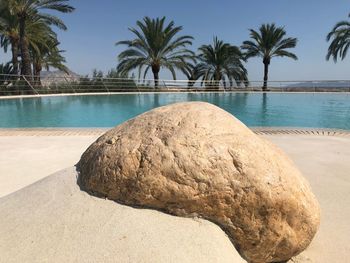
[
  {"x": 26, "y": 159},
  {"x": 59, "y": 223},
  {"x": 53, "y": 220}
]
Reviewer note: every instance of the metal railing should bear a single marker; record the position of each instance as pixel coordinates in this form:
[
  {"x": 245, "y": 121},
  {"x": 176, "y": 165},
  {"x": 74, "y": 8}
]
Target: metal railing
[{"x": 25, "y": 85}]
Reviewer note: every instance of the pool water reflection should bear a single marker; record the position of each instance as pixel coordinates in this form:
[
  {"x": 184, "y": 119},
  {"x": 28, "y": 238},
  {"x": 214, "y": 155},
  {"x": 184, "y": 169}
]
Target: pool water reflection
[{"x": 319, "y": 110}]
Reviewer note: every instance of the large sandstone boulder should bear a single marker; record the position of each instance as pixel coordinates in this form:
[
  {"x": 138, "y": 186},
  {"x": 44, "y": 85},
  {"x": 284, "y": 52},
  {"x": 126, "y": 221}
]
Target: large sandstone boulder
[{"x": 195, "y": 159}]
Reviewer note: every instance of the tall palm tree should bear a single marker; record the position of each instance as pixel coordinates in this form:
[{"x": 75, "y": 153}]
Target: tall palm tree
[
  {"x": 27, "y": 9},
  {"x": 9, "y": 36},
  {"x": 192, "y": 73},
  {"x": 156, "y": 46},
  {"x": 220, "y": 61},
  {"x": 340, "y": 36},
  {"x": 46, "y": 54},
  {"x": 269, "y": 42},
  {"x": 40, "y": 37},
  {"x": 2, "y": 22}
]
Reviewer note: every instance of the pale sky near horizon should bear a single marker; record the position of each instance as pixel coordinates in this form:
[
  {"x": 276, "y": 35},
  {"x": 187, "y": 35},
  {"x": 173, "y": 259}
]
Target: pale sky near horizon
[{"x": 95, "y": 26}]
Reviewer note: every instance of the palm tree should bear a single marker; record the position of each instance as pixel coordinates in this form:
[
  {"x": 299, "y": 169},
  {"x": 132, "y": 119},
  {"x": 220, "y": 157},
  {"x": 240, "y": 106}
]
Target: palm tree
[
  {"x": 9, "y": 36},
  {"x": 48, "y": 56},
  {"x": 6, "y": 71},
  {"x": 340, "y": 43},
  {"x": 41, "y": 39},
  {"x": 156, "y": 46},
  {"x": 26, "y": 10},
  {"x": 2, "y": 22},
  {"x": 269, "y": 42},
  {"x": 192, "y": 73},
  {"x": 220, "y": 61},
  {"x": 43, "y": 46}
]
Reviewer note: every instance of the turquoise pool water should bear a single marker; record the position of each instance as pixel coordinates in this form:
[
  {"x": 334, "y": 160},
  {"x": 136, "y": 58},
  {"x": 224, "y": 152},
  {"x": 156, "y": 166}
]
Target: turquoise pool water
[{"x": 321, "y": 110}]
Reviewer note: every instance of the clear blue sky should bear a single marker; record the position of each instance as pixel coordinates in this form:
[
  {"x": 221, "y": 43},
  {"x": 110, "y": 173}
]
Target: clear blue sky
[{"x": 96, "y": 25}]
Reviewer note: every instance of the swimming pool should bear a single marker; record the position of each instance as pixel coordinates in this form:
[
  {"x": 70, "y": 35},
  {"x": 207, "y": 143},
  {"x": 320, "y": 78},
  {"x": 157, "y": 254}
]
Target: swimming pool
[{"x": 314, "y": 110}]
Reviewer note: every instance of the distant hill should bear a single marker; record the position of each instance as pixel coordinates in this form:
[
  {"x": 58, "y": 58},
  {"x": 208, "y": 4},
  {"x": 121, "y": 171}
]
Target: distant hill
[
  {"x": 320, "y": 84},
  {"x": 50, "y": 77}
]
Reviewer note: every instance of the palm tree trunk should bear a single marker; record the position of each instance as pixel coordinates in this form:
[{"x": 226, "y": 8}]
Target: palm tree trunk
[
  {"x": 155, "y": 70},
  {"x": 156, "y": 79},
  {"x": 217, "y": 77},
  {"x": 25, "y": 55},
  {"x": 190, "y": 83},
  {"x": 266, "y": 74},
  {"x": 37, "y": 71},
  {"x": 15, "y": 49}
]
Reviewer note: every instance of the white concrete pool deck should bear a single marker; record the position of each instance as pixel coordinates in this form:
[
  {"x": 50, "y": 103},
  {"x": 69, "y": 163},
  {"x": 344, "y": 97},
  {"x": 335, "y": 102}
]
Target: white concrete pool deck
[{"x": 27, "y": 156}]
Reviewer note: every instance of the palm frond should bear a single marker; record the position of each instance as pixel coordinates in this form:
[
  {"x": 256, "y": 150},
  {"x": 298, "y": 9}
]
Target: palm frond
[
  {"x": 339, "y": 37},
  {"x": 156, "y": 45},
  {"x": 57, "y": 5},
  {"x": 220, "y": 61},
  {"x": 52, "y": 20},
  {"x": 268, "y": 42}
]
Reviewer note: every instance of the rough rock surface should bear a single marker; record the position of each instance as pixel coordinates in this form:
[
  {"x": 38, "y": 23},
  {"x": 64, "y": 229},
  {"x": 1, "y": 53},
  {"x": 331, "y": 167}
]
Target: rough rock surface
[{"x": 195, "y": 159}]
